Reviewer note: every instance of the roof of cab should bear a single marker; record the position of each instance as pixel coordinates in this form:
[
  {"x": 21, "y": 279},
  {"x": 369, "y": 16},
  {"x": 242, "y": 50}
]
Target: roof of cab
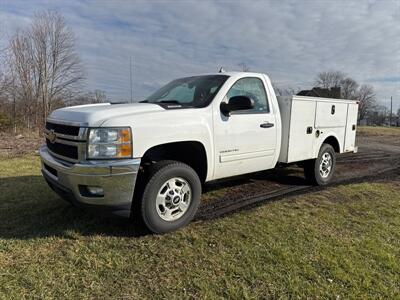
[{"x": 233, "y": 73}]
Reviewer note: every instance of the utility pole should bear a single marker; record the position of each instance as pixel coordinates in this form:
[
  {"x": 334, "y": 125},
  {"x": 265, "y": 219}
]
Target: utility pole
[
  {"x": 130, "y": 72},
  {"x": 391, "y": 108}
]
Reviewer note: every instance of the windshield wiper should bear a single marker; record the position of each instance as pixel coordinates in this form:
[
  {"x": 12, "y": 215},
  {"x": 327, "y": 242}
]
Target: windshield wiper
[
  {"x": 176, "y": 102},
  {"x": 162, "y": 101},
  {"x": 170, "y": 101}
]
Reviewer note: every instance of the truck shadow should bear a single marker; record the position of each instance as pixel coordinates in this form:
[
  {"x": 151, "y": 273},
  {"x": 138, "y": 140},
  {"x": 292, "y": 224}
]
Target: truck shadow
[{"x": 30, "y": 209}]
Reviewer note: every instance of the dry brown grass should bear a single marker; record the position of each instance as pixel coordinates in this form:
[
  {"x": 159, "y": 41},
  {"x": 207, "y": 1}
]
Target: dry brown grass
[{"x": 26, "y": 142}]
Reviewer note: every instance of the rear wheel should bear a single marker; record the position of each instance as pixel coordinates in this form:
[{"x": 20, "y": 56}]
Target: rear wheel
[
  {"x": 320, "y": 171},
  {"x": 171, "y": 196}
]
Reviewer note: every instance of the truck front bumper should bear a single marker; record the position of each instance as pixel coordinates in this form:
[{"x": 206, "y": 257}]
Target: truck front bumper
[{"x": 114, "y": 181}]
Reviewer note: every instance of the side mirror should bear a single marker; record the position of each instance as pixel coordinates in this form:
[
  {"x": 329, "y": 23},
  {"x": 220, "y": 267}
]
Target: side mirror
[{"x": 236, "y": 103}]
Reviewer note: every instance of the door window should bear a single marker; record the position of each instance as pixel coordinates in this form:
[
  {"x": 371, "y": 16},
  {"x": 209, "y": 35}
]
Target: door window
[{"x": 253, "y": 88}]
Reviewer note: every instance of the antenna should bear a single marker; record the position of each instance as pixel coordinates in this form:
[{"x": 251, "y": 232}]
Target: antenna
[
  {"x": 131, "y": 77},
  {"x": 391, "y": 111},
  {"x": 221, "y": 70}
]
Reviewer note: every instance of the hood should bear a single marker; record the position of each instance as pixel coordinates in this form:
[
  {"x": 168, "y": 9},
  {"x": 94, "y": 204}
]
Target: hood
[{"x": 96, "y": 114}]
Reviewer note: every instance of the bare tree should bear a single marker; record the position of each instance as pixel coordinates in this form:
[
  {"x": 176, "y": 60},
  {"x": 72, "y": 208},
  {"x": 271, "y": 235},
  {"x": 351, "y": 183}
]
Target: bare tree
[
  {"x": 329, "y": 79},
  {"x": 349, "y": 88},
  {"x": 21, "y": 62},
  {"x": 97, "y": 96},
  {"x": 4, "y": 79},
  {"x": 45, "y": 63},
  {"x": 5, "y": 90},
  {"x": 285, "y": 91},
  {"x": 367, "y": 100},
  {"x": 378, "y": 115},
  {"x": 244, "y": 67},
  {"x": 5, "y": 83}
]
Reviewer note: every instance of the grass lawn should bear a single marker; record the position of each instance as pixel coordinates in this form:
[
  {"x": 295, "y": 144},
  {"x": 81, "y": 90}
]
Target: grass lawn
[
  {"x": 378, "y": 131},
  {"x": 342, "y": 243}
]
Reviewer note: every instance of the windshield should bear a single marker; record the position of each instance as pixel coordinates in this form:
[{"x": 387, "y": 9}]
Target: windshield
[{"x": 197, "y": 91}]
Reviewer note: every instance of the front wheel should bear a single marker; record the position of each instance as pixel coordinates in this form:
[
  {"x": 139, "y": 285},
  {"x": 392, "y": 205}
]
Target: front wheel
[
  {"x": 320, "y": 171},
  {"x": 171, "y": 196}
]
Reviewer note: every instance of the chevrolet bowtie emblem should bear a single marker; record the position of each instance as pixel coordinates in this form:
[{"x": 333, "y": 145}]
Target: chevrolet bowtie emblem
[{"x": 51, "y": 136}]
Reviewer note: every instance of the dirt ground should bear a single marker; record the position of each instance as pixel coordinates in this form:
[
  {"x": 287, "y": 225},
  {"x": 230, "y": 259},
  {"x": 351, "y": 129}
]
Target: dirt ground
[{"x": 14, "y": 145}]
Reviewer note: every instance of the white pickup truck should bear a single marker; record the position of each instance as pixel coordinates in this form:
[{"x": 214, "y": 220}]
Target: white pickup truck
[{"x": 150, "y": 159}]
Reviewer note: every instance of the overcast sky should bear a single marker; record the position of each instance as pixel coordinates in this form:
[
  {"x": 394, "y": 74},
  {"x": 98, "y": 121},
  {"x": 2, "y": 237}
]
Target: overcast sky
[{"x": 289, "y": 40}]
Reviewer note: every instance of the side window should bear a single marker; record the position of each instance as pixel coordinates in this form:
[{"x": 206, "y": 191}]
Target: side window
[{"x": 253, "y": 88}]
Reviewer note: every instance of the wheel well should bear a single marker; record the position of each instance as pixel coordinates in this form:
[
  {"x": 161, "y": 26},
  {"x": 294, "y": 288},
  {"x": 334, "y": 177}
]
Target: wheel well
[
  {"x": 333, "y": 142},
  {"x": 191, "y": 153}
]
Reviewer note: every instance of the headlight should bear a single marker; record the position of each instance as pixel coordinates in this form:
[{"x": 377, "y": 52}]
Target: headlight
[{"x": 106, "y": 143}]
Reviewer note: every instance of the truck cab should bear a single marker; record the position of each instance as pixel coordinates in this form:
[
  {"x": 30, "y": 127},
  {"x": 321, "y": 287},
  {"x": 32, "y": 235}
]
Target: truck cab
[{"x": 150, "y": 159}]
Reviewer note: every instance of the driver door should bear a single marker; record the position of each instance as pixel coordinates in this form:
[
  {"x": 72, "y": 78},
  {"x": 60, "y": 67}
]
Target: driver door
[{"x": 245, "y": 141}]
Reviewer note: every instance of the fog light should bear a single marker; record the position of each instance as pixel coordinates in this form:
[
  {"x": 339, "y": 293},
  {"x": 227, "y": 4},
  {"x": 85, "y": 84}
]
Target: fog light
[{"x": 95, "y": 190}]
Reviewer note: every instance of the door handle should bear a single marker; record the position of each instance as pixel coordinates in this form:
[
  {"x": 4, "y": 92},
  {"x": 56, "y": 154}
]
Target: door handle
[{"x": 266, "y": 125}]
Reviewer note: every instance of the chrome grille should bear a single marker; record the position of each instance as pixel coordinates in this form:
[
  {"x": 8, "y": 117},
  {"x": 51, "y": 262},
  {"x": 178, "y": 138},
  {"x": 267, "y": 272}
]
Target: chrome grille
[{"x": 66, "y": 141}]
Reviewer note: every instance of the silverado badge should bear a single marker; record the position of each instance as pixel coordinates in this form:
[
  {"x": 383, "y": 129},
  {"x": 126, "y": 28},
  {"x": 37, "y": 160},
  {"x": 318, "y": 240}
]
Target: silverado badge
[{"x": 51, "y": 136}]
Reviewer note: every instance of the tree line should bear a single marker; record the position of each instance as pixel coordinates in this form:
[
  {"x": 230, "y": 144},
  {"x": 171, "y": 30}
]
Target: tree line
[{"x": 40, "y": 71}]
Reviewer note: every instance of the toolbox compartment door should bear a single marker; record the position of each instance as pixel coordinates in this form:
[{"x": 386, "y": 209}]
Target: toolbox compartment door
[
  {"x": 350, "y": 139},
  {"x": 330, "y": 114},
  {"x": 301, "y": 141}
]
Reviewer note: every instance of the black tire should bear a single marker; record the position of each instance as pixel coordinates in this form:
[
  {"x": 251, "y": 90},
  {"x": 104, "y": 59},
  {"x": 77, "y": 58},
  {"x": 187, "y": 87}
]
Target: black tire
[
  {"x": 312, "y": 167},
  {"x": 158, "y": 174}
]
